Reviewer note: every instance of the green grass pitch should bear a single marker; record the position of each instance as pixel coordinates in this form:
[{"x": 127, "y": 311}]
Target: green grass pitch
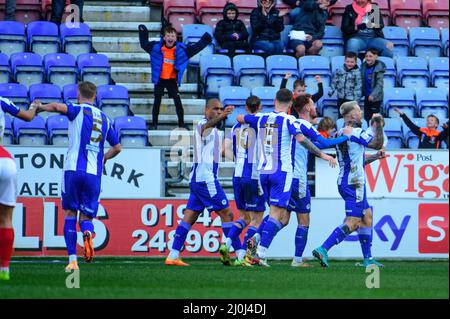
[{"x": 208, "y": 278}]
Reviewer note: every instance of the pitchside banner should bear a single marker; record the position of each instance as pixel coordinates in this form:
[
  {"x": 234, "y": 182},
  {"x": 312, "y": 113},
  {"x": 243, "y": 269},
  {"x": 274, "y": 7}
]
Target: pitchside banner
[
  {"x": 403, "y": 174},
  {"x": 402, "y": 228},
  {"x": 133, "y": 174}
]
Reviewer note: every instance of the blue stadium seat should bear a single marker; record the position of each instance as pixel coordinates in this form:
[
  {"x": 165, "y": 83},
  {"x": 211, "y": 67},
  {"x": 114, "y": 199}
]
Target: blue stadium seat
[
  {"x": 444, "y": 41},
  {"x": 390, "y": 76},
  {"x": 60, "y": 69},
  {"x": 46, "y": 93},
  {"x": 277, "y": 67},
  {"x": 412, "y": 72},
  {"x": 284, "y": 35},
  {"x": 267, "y": 96},
  {"x": 439, "y": 72},
  {"x": 333, "y": 42},
  {"x": 249, "y": 70},
  {"x": 76, "y": 41},
  {"x": 313, "y": 65},
  {"x": 410, "y": 139},
  {"x": 94, "y": 68},
  {"x": 17, "y": 93},
  {"x": 70, "y": 93},
  {"x": 132, "y": 131},
  {"x": 27, "y": 68},
  {"x": 8, "y": 135},
  {"x": 236, "y": 96},
  {"x": 58, "y": 130},
  {"x": 12, "y": 37},
  {"x": 432, "y": 101},
  {"x": 192, "y": 33},
  {"x": 5, "y": 71},
  {"x": 337, "y": 62},
  {"x": 399, "y": 37},
  {"x": 33, "y": 133},
  {"x": 216, "y": 72},
  {"x": 394, "y": 133},
  {"x": 43, "y": 37},
  {"x": 425, "y": 42},
  {"x": 401, "y": 98},
  {"x": 113, "y": 100},
  {"x": 327, "y": 106}
]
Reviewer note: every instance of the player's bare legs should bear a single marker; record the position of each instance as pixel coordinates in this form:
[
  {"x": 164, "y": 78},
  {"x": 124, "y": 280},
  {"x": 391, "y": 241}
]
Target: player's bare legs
[
  {"x": 70, "y": 236},
  {"x": 6, "y": 240}
]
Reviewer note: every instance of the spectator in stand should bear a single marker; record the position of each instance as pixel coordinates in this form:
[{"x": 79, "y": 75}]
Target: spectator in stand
[
  {"x": 168, "y": 61},
  {"x": 300, "y": 89},
  {"x": 311, "y": 21},
  {"x": 10, "y": 10},
  {"x": 362, "y": 28},
  {"x": 347, "y": 81},
  {"x": 267, "y": 25},
  {"x": 372, "y": 73},
  {"x": 326, "y": 127},
  {"x": 295, "y": 5},
  {"x": 429, "y": 137},
  {"x": 58, "y": 7},
  {"x": 230, "y": 32}
]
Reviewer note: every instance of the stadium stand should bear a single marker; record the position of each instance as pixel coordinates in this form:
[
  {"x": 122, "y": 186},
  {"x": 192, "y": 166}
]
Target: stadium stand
[
  {"x": 310, "y": 66},
  {"x": 43, "y": 37},
  {"x": 5, "y": 71},
  {"x": 57, "y": 130},
  {"x": 236, "y": 96},
  {"x": 425, "y": 42},
  {"x": 17, "y": 93},
  {"x": 249, "y": 70},
  {"x": 336, "y": 11},
  {"x": 444, "y": 39},
  {"x": 113, "y": 100},
  {"x": 216, "y": 72},
  {"x": 132, "y": 131},
  {"x": 27, "y": 68},
  {"x": 432, "y": 101},
  {"x": 46, "y": 93},
  {"x": 277, "y": 66},
  {"x": 60, "y": 69},
  {"x": 435, "y": 13},
  {"x": 210, "y": 12},
  {"x": 390, "y": 76},
  {"x": 76, "y": 41},
  {"x": 333, "y": 42},
  {"x": 70, "y": 93},
  {"x": 12, "y": 37},
  {"x": 394, "y": 133},
  {"x": 267, "y": 96},
  {"x": 412, "y": 72},
  {"x": 94, "y": 68},
  {"x": 33, "y": 133},
  {"x": 406, "y": 13},
  {"x": 439, "y": 72},
  {"x": 180, "y": 13},
  {"x": 409, "y": 138},
  {"x": 192, "y": 33},
  {"x": 401, "y": 98},
  {"x": 399, "y": 37}
]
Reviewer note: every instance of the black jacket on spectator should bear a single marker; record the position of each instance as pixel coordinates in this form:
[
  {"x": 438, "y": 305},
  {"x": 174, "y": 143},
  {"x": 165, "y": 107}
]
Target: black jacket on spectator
[
  {"x": 226, "y": 27},
  {"x": 266, "y": 28},
  {"x": 348, "y": 24},
  {"x": 311, "y": 19}
]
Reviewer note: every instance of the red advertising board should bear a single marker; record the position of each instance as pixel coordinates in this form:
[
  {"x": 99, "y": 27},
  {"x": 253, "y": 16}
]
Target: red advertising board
[
  {"x": 123, "y": 228},
  {"x": 433, "y": 228}
]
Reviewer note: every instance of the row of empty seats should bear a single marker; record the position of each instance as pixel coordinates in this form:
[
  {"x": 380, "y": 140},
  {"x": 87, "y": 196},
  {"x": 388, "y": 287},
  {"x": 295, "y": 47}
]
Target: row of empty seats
[
  {"x": 404, "y": 13},
  {"x": 43, "y": 37},
  {"x": 30, "y": 10},
  {"x": 113, "y": 100},
  {"x": 57, "y": 68},
  {"x": 132, "y": 131},
  {"x": 414, "y": 103},
  {"x": 251, "y": 71}
]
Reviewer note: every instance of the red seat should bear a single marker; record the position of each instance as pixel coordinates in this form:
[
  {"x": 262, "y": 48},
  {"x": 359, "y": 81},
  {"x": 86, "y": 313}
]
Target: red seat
[
  {"x": 179, "y": 13},
  {"x": 47, "y": 9},
  {"x": 245, "y": 9},
  {"x": 406, "y": 13},
  {"x": 26, "y": 10},
  {"x": 210, "y": 12},
  {"x": 156, "y": 2},
  {"x": 435, "y": 13},
  {"x": 336, "y": 11}
]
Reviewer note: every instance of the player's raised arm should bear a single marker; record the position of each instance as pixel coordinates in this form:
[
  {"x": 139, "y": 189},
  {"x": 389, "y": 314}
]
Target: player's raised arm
[
  {"x": 378, "y": 138},
  {"x": 306, "y": 143},
  {"x": 216, "y": 120},
  {"x": 374, "y": 157}
]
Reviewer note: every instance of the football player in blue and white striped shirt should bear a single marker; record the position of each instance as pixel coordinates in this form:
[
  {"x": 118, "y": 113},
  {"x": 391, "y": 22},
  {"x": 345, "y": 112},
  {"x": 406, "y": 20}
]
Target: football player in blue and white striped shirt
[{"x": 89, "y": 128}]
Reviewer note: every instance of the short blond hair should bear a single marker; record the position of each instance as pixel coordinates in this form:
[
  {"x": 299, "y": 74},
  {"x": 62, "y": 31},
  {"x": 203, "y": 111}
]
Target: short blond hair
[{"x": 348, "y": 107}]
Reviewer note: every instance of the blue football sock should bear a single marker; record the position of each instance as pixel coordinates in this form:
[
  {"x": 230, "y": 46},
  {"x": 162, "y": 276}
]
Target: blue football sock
[
  {"x": 87, "y": 225},
  {"x": 70, "y": 235},
  {"x": 234, "y": 233},
  {"x": 301, "y": 237},
  {"x": 262, "y": 225},
  {"x": 337, "y": 236},
  {"x": 365, "y": 239},
  {"x": 250, "y": 232},
  {"x": 180, "y": 235},
  {"x": 226, "y": 227},
  {"x": 270, "y": 230}
]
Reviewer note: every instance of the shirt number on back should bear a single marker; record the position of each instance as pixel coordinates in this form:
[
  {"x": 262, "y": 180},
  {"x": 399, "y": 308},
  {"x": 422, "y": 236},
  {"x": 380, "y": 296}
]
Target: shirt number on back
[{"x": 97, "y": 128}]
